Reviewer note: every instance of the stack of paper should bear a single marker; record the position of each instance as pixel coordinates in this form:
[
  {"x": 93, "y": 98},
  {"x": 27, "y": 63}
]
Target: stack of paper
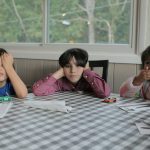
[
  {"x": 4, "y": 108},
  {"x": 135, "y": 107},
  {"x": 49, "y": 105},
  {"x": 143, "y": 127}
]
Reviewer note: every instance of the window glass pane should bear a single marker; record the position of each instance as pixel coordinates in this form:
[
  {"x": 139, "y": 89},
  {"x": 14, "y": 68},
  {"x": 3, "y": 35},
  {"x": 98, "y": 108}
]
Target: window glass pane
[
  {"x": 89, "y": 21},
  {"x": 21, "y": 21}
]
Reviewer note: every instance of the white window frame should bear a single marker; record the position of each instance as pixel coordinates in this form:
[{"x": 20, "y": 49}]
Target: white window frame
[{"x": 114, "y": 53}]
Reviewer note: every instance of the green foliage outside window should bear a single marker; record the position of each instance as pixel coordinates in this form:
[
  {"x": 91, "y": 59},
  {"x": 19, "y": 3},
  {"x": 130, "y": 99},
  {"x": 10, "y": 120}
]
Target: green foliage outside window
[{"x": 69, "y": 21}]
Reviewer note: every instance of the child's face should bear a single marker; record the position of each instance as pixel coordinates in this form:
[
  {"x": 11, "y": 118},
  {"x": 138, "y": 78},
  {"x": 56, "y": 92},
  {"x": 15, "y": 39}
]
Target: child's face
[
  {"x": 147, "y": 63},
  {"x": 73, "y": 72},
  {"x": 3, "y": 75}
]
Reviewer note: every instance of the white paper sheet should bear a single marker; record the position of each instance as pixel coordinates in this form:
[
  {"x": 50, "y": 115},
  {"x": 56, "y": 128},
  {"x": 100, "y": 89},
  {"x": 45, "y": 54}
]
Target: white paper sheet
[
  {"x": 4, "y": 108},
  {"x": 49, "y": 105},
  {"x": 135, "y": 107},
  {"x": 143, "y": 128}
]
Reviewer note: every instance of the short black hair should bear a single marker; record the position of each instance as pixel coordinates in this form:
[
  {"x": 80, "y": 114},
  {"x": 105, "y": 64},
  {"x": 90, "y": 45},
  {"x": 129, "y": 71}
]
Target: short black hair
[
  {"x": 80, "y": 55},
  {"x": 145, "y": 55},
  {"x": 2, "y": 51}
]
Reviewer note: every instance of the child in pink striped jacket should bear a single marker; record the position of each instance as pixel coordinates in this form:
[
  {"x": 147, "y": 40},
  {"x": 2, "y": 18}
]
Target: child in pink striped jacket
[{"x": 139, "y": 86}]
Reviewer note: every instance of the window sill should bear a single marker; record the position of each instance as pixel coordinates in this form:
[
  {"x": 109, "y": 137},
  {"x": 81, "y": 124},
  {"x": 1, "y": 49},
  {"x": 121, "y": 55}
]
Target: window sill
[
  {"x": 54, "y": 55},
  {"x": 119, "y": 54}
]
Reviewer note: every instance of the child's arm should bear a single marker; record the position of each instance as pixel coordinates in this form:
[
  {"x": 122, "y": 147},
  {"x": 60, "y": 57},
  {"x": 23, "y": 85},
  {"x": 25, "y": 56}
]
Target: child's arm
[
  {"x": 18, "y": 85},
  {"x": 58, "y": 74},
  {"x": 130, "y": 88},
  {"x": 48, "y": 85},
  {"x": 141, "y": 77},
  {"x": 98, "y": 85}
]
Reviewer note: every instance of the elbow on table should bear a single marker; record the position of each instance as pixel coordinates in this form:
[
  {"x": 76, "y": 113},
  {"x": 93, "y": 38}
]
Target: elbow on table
[
  {"x": 104, "y": 94},
  {"x": 123, "y": 91},
  {"x": 107, "y": 92},
  {"x": 37, "y": 92},
  {"x": 22, "y": 95}
]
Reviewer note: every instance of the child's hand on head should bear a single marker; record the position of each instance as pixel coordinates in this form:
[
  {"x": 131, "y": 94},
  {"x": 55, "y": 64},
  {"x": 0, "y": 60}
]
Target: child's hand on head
[
  {"x": 7, "y": 60},
  {"x": 59, "y": 74}
]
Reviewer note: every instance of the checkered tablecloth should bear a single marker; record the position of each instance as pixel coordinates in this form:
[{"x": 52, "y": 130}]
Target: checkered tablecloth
[{"x": 92, "y": 125}]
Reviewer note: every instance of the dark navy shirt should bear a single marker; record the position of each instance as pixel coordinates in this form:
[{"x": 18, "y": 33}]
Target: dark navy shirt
[{"x": 7, "y": 90}]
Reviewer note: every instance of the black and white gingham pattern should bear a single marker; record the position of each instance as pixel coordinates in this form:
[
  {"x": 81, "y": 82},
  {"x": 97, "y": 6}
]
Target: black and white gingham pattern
[{"x": 92, "y": 125}]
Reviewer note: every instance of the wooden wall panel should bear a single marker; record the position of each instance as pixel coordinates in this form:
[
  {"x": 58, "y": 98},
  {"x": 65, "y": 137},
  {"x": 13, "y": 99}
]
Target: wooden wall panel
[
  {"x": 33, "y": 70},
  {"x": 50, "y": 67},
  {"x": 138, "y": 68},
  {"x": 29, "y": 70},
  {"x": 121, "y": 73}
]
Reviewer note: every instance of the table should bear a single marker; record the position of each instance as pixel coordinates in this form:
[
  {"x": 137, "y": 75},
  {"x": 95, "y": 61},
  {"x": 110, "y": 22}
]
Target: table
[{"x": 92, "y": 125}]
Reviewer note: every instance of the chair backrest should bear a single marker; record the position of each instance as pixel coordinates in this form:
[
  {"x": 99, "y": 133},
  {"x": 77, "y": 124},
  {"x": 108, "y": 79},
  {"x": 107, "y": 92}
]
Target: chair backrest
[{"x": 100, "y": 63}]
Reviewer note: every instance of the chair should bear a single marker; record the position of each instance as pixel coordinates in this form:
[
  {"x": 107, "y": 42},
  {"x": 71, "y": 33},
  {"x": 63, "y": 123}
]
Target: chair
[{"x": 102, "y": 64}]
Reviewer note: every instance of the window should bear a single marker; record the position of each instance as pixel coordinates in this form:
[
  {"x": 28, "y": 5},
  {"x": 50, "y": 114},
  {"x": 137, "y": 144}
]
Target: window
[
  {"x": 21, "y": 21},
  {"x": 89, "y": 21},
  {"x": 85, "y": 21},
  {"x": 102, "y": 27}
]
